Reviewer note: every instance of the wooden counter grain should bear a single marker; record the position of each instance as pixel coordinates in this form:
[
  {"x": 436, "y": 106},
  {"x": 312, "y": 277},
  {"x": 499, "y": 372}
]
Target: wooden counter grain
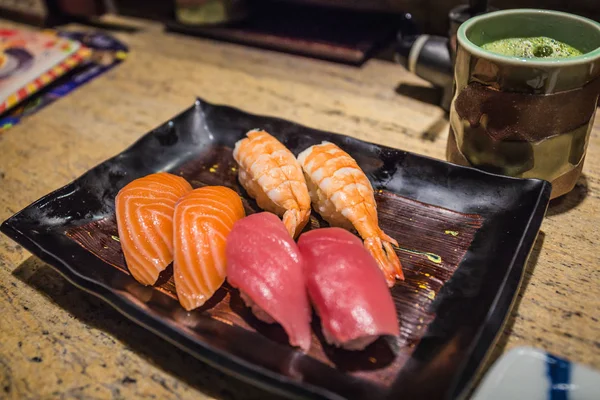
[{"x": 58, "y": 342}]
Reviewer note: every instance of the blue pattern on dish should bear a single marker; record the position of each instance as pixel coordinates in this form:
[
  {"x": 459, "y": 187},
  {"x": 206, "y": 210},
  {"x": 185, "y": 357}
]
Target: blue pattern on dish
[{"x": 559, "y": 373}]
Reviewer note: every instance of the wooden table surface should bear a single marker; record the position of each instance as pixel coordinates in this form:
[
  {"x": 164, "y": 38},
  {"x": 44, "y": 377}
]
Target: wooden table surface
[{"x": 57, "y": 341}]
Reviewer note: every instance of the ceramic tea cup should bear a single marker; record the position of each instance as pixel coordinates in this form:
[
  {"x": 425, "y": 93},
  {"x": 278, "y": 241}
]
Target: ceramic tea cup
[{"x": 526, "y": 117}]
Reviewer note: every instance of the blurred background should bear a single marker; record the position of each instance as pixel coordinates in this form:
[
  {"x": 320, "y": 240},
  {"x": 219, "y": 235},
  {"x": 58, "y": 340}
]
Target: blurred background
[
  {"x": 430, "y": 15},
  {"x": 418, "y": 34}
]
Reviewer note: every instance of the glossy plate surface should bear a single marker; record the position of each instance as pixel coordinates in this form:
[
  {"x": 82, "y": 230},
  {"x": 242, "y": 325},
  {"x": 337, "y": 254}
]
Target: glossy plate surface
[{"x": 464, "y": 234}]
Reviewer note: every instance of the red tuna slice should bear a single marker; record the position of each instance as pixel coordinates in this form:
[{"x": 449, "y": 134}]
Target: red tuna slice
[
  {"x": 264, "y": 263},
  {"x": 347, "y": 288}
]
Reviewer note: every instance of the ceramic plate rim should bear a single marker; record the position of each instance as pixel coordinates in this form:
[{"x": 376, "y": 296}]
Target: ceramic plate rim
[{"x": 245, "y": 370}]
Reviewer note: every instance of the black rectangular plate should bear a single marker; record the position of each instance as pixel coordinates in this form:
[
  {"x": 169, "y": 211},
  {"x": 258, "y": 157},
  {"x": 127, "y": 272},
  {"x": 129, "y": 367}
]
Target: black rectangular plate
[{"x": 461, "y": 299}]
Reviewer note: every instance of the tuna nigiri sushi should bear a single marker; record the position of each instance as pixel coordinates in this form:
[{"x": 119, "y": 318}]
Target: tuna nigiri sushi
[
  {"x": 264, "y": 263},
  {"x": 203, "y": 220},
  {"x": 271, "y": 174},
  {"x": 341, "y": 192},
  {"x": 144, "y": 210},
  {"x": 347, "y": 289}
]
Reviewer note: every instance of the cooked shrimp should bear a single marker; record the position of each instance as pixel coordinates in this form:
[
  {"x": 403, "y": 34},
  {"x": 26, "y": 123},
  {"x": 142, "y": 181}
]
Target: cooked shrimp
[
  {"x": 342, "y": 194},
  {"x": 271, "y": 174}
]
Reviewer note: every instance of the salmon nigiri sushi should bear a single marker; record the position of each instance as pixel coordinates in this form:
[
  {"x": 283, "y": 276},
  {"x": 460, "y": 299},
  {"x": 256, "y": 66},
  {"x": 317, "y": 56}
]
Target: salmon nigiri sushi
[
  {"x": 203, "y": 219},
  {"x": 264, "y": 263},
  {"x": 271, "y": 174},
  {"x": 342, "y": 194},
  {"x": 144, "y": 210}
]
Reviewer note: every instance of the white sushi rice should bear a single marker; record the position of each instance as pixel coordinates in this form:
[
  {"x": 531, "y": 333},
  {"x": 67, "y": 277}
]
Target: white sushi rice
[
  {"x": 256, "y": 310},
  {"x": 355, "y": 344}
]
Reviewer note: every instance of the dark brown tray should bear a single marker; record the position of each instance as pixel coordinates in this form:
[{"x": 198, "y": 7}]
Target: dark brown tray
[
  {"x": 332, "y": 34},
  {"x": 465, "y": 237}
]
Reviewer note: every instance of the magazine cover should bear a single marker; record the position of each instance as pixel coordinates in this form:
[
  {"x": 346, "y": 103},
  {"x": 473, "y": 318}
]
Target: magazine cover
[
  {"x": 106, "y": 53},
  {"x": 30, "y": 60}
]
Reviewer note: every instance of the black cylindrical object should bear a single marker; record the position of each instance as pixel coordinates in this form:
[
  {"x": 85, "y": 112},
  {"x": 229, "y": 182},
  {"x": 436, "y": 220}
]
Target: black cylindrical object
[
  {"x": 428, "y": 57},
  {"x": 432, "y": 57}
]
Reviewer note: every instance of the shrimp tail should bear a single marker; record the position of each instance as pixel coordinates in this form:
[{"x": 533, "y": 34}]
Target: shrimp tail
[
  {"x": 295, "y": 220},
  {"x": 381, "y": 248}
]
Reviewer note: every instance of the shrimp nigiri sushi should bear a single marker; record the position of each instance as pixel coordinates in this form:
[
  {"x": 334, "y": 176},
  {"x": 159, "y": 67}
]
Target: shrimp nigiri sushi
[
  {"x": 203, "y": 220},
  {"x": 271, "y": 174},
  {"x": 341, "y": 192},
  {"x": 264, "y": 263},
  {"x": 144, "y": 210},
  {"x": 347, "y": 289}
]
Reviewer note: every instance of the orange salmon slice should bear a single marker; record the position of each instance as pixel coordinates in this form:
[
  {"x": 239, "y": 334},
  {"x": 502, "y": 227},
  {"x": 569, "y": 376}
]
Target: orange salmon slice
[
  {"x": 203, "y": 219},
  {"x": 144, "y": 210}
]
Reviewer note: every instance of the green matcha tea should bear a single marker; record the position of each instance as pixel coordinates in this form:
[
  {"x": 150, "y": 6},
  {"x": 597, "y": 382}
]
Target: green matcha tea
[{"x": 532, "y": 47}]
